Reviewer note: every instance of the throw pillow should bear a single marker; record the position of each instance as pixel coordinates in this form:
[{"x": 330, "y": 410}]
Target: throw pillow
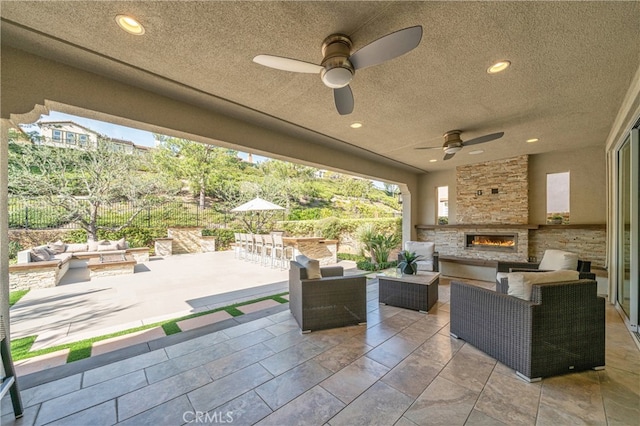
[
  {"x": 121, "y": 243},
  {"x": 554, "y": 260},
  {"x": 311, "y": 265},
  {"x": 40, "y": 254},
  {"x": 75, "y": 248},
  {"x": 107, "y": 247},
  {"x": 520, "y": 283},
  {"x": 93, "y": 245},
  {"x": 57, "y": 247}
]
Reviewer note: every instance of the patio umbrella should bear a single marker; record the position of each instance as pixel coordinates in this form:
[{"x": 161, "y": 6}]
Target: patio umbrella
[{"x": 256, "y": 213}]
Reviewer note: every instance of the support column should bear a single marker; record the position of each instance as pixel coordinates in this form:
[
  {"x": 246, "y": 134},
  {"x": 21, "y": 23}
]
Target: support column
[
  {"x": 4, "y": 225},
  {"x": 407, "y": 209}
]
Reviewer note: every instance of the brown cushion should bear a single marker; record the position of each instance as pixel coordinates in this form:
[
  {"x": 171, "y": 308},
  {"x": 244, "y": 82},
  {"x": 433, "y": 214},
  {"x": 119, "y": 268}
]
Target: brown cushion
[
  {"x": 121, "y": 243},
  {"x": 93, "y": 245},
  {"x": 311, "y": 265},
  {"x": 75, "y": 248},
  {"x": 107, "y": 247},
  {"x": 57, "y": 247},
  {"x": 40, "y": 254}
]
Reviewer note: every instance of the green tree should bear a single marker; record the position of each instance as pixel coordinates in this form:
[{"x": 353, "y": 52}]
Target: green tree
[
  {"x": 79, "y": 182},
  {"x": 199, "y": 164}
]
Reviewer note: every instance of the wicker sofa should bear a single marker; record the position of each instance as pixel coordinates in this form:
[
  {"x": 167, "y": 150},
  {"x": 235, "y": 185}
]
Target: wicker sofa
[
  {"x": 560, "y": 330},
  {"x": 582, "y": 266},
  {"x": 328, "y": 302}
]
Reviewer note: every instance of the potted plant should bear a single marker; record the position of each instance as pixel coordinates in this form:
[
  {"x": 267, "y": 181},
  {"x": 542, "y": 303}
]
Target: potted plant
[
  {"x": 408, "y": 263},
  {"x": 557, "y": 219}
]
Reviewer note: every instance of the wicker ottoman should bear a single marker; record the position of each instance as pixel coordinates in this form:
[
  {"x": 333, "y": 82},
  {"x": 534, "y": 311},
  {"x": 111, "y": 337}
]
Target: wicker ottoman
[{"x": 418, "y": 292}]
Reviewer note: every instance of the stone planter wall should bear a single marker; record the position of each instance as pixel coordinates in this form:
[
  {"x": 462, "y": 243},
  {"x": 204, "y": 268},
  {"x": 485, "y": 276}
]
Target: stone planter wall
[
  {"x": 208, "y": 244},
  {"x": 185, "y": 240}
]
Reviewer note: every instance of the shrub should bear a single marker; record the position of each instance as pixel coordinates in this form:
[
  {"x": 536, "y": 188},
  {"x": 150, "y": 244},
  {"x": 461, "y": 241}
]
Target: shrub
[
  {"x": 224, "y": 237},
  {"x": 352, "y": 257},
  {"x": 330, "y": 228},
  {"x": 378, "y": 244},
  {"x": 14, "y": 248},
  {"x": 366, "y": 265}
]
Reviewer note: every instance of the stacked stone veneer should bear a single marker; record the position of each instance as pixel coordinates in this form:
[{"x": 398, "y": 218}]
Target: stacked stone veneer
[
  {"x": 588, "y": 243},
  {"x": 451, "y": 242},
  {"x": 185, "y": 240},
  {"x": 509, "y": 206},
  {"x": 39, "y": 277}
]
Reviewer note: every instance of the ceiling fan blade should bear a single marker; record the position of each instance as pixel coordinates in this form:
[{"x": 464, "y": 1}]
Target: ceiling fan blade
[
  {"x": 483, "y": 139},
  {"x": 287, "y": 64},
  {"x": 429, "y": 147},
  {"x": 344, "y": 100},
  {"x": 387, "y": 47},
  {"x": 448, "y": 156}
]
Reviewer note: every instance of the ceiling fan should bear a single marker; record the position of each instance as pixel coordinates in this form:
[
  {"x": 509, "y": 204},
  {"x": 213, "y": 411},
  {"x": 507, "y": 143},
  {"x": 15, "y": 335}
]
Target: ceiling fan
[
  {"x": 453, "y": 143},
  {"x": 339, "y": 65}
]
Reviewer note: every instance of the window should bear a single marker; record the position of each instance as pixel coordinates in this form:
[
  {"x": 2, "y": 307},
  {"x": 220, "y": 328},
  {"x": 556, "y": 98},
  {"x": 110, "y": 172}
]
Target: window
[
  {"x": 83, "y": 140},
  {"x": 70, "y": 138},
  {"x": 57, "y": 135},
  {"x": 558, "y": 198},
  {"x": 443, "y": 205}
]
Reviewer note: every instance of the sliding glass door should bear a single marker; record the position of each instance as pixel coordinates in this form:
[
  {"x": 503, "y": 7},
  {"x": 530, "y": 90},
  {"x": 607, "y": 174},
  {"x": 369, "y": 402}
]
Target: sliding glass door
[{"x": 628, "y": 233}]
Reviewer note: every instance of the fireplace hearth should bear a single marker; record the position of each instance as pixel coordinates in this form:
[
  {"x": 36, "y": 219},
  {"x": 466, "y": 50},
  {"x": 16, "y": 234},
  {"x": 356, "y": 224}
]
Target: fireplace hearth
[{"x": 491, "y": 241}]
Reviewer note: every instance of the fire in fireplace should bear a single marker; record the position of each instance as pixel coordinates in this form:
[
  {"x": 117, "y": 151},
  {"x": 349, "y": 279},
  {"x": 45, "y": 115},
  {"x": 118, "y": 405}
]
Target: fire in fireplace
[{"x": 502, "y": 242}]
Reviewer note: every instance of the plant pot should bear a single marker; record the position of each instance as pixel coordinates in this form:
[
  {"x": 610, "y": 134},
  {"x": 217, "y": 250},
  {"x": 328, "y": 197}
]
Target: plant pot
[{"x": 408, "y": 270}]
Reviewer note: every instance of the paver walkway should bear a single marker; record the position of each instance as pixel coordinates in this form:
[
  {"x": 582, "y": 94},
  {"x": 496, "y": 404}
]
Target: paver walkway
[{"x": 161, "y": 289}]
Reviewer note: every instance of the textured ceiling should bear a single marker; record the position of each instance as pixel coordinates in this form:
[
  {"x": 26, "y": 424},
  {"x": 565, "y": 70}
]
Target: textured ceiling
[{"x": 572, "y": 63}]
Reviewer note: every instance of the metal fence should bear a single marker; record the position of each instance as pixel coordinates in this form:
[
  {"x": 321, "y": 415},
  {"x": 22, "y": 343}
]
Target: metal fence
[{"x": 38, "y": 214}]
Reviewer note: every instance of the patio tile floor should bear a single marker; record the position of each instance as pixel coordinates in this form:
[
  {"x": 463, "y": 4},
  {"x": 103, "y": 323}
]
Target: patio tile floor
[{"x": 402, "y": 368}]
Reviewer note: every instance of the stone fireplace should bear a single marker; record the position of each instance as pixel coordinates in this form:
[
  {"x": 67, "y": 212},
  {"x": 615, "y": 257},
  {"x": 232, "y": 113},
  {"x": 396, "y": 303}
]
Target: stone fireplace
[{"x": 491, "y": 241}]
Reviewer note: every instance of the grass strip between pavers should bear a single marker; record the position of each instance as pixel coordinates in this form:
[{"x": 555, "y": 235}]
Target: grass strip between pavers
[
  {"x": 20, "y": 348},
  {"x": 14, "y": 296}
]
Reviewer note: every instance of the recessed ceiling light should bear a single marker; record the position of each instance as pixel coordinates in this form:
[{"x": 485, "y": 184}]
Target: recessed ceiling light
[
  {"x": 532, "y": 140},
  {"x": 433, "y": 160},
  {"x": 130, "y": 25},
  {"x": 476, "y": 152},
  {"x": 498, "y": 67},
  {"x": 355, "y": 125}
]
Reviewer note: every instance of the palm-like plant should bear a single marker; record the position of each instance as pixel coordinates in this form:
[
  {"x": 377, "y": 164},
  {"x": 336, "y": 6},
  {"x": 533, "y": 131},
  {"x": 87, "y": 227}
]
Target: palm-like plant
[{"x": 408, "y": 263}]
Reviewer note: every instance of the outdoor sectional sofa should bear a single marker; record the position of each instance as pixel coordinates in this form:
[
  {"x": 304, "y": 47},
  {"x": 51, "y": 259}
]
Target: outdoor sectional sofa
[{"x": 44, "y": 266}]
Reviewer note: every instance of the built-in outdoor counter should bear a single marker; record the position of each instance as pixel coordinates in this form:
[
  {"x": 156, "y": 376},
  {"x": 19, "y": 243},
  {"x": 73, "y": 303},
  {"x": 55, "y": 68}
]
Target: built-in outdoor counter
[{"x": 314, "y": 248}]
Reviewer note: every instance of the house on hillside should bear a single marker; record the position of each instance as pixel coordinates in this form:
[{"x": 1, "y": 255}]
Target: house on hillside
[{"x": 67, "y": 134}]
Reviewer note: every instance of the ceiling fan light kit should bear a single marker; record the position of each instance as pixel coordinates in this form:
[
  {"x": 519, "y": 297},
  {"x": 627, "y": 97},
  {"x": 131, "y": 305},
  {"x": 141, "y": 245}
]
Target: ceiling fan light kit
[
  {"x": 339, "y": 65},
  {"x": 453, "y": 143}
]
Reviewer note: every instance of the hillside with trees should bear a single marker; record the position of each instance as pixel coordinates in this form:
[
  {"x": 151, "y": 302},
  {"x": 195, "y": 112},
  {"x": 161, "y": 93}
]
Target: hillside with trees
[{"x": 80, "y": 181}]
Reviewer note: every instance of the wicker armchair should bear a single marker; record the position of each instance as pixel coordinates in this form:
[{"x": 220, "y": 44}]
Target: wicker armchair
[
  {"x": 560, "y": 330},
  {"x": 503, "y": 268},
  {"x": 328, "y": 302}
]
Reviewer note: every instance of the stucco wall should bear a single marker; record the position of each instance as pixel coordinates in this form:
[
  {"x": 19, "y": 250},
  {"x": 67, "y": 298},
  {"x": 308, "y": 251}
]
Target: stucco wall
[
  {"x": 587, "y": 187},
  {"x": 588, "y": 199},
  {"x": 427, "y": 194}
]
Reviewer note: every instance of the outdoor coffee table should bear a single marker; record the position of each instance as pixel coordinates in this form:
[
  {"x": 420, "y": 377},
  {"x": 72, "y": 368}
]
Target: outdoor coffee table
[
  {"x": 418, "y": 292},
  {"x": 107, "y": 265}
]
